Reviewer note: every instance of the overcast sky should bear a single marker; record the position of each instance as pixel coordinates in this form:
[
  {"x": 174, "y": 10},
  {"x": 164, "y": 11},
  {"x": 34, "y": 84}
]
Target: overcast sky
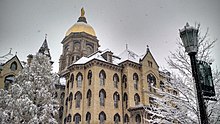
[{"x": 138, "y": 23}]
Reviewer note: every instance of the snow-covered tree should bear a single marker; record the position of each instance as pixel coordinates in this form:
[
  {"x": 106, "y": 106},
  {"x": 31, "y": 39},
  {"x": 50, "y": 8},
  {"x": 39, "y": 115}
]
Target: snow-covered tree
[
  {"x": 29, "y": 100},
  {"x": 185, "y": 110}
]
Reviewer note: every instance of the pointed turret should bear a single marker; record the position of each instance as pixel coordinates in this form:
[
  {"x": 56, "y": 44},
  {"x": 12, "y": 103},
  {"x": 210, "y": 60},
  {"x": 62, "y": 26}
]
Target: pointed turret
[{"x": 44, "y": 48}]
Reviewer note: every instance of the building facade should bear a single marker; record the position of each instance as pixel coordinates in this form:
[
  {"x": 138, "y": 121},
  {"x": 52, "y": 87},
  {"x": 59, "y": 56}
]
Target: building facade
[{"x": 102, "y": 87}]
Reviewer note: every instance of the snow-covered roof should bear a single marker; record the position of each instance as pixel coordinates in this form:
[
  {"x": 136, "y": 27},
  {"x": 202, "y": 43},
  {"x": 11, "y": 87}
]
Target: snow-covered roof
[
  {"x": 6, "y": 58},
  {"x": 129, "y": 55},
  {"x": 62, "y": 81}
]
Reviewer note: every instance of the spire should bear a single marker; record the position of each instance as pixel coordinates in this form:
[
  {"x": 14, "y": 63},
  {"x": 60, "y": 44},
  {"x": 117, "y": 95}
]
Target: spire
[
  {"x": 44, "y": 48},
  {"x": 82, "y": 18},
  {"x": 126, "y": 46},
  {"x": 148, "y": 50}
]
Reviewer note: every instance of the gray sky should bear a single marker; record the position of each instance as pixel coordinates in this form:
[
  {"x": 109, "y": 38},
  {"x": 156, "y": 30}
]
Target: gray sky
[{"x": 23, "y": 24}]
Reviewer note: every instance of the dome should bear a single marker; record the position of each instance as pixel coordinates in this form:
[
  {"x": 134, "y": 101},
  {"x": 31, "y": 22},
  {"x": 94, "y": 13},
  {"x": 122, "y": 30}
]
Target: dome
[{"x": 81, "y": 27}]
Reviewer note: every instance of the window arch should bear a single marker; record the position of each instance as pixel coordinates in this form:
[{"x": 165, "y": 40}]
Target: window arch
[
  {"x": 138, "y": 119},
  {"x": 8, "y": 81},
  {"x": 77, "y": 118},
  {"x": 89, "y": 96},
  {"x": 88, "y": 117},
  {"x": 115, "y": 80},
  {"x": 116, "y": 98},
  {"x": 64, "y": 120},
  {"x": 116, "y": 118},
  {"x": 135, "y": 78},
  {"x": 126, "y": 100},
  {"x": 62, "y": 95},
  {"x": 89, "y": 77},
  {"x": 102, "y": 77},
  {"x": 126, "y": 118},
  {"x": 136, "y": 99},
  {"x": 78, "y": 97},
  {"x": 151, "y": 82},
  {"x": 68, "y": 83},
  {"x": 102, "y": 96},
  {"x": 79, "y": 78},
  {"x": 66, "y": 103},
  {"x": 102, "y": 117},
  {"x": 13, "y": 66},
  {"x": 162, "y": 86},
  {"x": 124, "y": 81},
  {"x": 71, "y": 99},
  {"x": 69, "y": 118},
  {"x": 72, "y": 80}
]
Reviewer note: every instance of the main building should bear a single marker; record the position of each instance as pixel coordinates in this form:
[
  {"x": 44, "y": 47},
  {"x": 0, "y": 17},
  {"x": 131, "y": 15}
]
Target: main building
[{"x": 102, "y": 87}]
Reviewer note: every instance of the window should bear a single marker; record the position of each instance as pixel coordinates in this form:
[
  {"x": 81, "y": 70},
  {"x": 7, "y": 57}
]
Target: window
[
  {"x": 175, "y": 92},
  {"x": 151, "y": 82},
  {"x": 71, "y": 99},
  {"x": 71, "y": 80},
  {"x": 60, "y": 112},
  {"x": 150, "y": 63},
  {"x": 102, "y": 77},
  {"x": 8, "y": 81},
  {"x": 68, "y": 83},
  {"x": 136, "y": 99},
  {"x": 162, "y": 87},
  {"x": 102, "y": 96},
  {"x": 116, "y": 98},
  {"x": 135, "y": 78},
  {"x": 138, "y": 119},
  {"x": 126, "y": 100},
  {"x": 77, "y": 118},
  {"x": 126, "y": 119},
  {"x": 89, "y": 96},
  {"x": 13, "y": 66},
  {"x": 66, "y": 103},
  {"x": 124, "y": 81},
  {"x": 79, "y": 79},
  {"x": 115, "y": 80},
  {"x": 102, "y": 117},
  {"x": 69, "y": 117},
  {"x": 62, "y": 97},
  {"x": 116, "y": 118},
  {"x": 88, "y": 118},
  {"x": 64, "y": 120},
  {"x": 89, "y": 77},
  {"x": 78, "y": 97}
]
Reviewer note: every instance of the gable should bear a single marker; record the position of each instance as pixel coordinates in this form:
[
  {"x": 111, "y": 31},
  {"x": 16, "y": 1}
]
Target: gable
[{"x": 149, "y": 57}]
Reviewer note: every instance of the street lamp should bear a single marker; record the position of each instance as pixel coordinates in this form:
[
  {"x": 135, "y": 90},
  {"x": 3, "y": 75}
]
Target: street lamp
[{"x": 189, "y": 36}]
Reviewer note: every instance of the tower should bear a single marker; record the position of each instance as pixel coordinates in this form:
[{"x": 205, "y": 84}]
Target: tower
[{"x": 80, "y": 40}]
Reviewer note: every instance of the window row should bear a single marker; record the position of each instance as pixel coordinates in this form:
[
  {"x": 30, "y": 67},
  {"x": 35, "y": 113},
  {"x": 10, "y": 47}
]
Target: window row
[{"x": 102, "y": 118}]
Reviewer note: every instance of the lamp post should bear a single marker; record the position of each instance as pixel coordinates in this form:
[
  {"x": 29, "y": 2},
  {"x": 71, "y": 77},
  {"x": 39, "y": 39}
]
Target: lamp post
[{"x": 189, "y": 36}]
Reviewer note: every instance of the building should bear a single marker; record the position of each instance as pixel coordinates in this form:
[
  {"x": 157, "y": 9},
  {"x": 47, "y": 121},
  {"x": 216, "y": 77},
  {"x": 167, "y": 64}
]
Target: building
[
  {"x": 10, "y": 65},
  {"x": 102, "y": 87}
]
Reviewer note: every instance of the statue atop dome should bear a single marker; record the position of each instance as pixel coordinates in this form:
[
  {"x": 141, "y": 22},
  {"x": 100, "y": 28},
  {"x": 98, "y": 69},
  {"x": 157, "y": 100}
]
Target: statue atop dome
[{"x": 82, "y": 12}]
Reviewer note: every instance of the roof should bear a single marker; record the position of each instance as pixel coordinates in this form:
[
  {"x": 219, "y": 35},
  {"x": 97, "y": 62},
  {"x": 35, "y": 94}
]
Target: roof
[
  {"x": 4, "y": 59},
  {"x": 129, "y": 55}
]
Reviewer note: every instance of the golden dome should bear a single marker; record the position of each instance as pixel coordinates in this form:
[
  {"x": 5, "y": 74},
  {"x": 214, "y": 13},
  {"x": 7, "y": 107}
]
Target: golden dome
[{"x": 81, "y": 26}]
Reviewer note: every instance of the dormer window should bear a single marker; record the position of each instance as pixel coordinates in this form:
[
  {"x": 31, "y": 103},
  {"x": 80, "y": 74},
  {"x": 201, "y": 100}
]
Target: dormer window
[{"x": 150, "y": 64}]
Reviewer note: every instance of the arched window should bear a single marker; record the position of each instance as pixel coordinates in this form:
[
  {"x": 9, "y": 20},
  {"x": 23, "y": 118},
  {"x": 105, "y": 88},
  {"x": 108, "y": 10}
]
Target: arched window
[
  {"x": 124, "y": 81},
  {"x": 126, "y": 119},
  {"x": 78, "y": 97},
  {"x": 136, "y": 99},
  {"x": 135, "y": 78},
  {"x": 116, "y": 118},
  {"x": 89, "y": 96},
  {"x": 8, "y": 81},
  {"x": 60, "y": 112},
  {"x": 88, "y": 118},
  {"x": 126, "y": 100},
  {"x": 116, "y": 98},
  {"x": 89, "y": 77},
  {"x": 162, "y": 86},
  {"x": 66, "y": 103},
  {"x": 68, "y": 83},
  {"x": 138, "y": 119},
  {"x": 71, "y": 99},
  {"x": 55, "y": 95},
  {"x": 69, "y": 118},
  {"x": 77, "y": 118},
  {"x": 102, "y": 96},
  {"x": 79, "y": 79},
  {"x": 13, "y": 66},
  {"x": 64, "y": 120},
  {"x": 102, "y": 117},
  {"x": 102, "y": 77},
  {"x": 151, "y": 82},
  {"x": 115, "y": 80},
  {"x": 72, "y": 80}
]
